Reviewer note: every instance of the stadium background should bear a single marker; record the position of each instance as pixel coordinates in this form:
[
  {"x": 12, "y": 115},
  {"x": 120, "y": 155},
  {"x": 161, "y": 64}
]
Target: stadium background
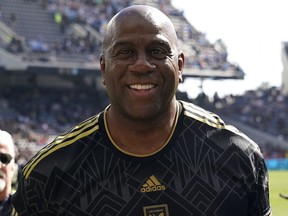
[{"x": 50, "y": 78}]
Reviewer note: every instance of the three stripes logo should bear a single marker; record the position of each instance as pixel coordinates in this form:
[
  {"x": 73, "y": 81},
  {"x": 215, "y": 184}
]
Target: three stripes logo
[{"x": 152, "y": 185}]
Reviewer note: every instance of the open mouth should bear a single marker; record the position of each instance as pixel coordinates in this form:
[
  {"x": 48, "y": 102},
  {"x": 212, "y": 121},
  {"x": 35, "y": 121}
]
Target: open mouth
[{"x": 141, "y": 86}]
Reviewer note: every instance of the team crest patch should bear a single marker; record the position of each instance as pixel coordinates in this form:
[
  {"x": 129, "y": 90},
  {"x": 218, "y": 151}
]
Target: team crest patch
[{"x": 156, "y": 210}]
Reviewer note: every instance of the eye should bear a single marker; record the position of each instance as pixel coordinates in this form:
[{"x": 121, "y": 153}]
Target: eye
[
  {"x": 158, "y": 53},
  {"x": 126, "y": 52}
]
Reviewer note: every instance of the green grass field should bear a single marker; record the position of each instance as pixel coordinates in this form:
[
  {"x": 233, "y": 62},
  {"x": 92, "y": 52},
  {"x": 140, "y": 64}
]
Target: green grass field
[{"x": 278, "y": 184}]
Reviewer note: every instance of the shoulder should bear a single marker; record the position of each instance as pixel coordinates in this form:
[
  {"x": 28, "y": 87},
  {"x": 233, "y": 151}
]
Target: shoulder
[
  {"x": 64, "y": 147},
  {"x": 195, "y": 112},
  {"x": 216, "y": 128}
]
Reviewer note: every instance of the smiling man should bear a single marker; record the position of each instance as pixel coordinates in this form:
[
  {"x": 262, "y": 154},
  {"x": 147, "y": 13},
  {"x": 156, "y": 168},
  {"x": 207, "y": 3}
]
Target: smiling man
[{"x": 147, "y": 153}]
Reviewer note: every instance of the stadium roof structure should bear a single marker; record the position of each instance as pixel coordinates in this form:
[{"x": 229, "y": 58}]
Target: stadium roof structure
[{"x": 213, "y": 74}]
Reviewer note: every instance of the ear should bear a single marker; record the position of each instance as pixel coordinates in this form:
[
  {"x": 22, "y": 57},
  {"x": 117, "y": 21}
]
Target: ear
[
  {"x": 102, "y": 67},
  {"x": 181, "y": 60}
]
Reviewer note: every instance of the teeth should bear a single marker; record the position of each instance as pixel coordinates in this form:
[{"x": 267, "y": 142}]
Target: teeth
[{"x": 141, "y": 87}]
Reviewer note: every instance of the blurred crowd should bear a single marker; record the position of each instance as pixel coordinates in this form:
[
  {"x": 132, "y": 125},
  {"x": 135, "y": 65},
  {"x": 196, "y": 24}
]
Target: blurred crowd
[
  {"x": 265, "y": 109},
  {"x": 34, "y": 116}
]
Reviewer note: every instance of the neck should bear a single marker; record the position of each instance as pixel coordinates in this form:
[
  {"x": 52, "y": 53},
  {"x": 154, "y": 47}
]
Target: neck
[{"x": 141, "y": 137}]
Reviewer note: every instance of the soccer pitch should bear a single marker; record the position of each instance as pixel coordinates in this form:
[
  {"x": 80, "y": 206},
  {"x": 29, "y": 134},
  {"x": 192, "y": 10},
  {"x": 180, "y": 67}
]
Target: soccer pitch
[{"x": 278, "y": 183}]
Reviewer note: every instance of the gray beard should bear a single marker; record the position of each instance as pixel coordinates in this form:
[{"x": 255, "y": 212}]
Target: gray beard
[{"x": 2, "y": 184}]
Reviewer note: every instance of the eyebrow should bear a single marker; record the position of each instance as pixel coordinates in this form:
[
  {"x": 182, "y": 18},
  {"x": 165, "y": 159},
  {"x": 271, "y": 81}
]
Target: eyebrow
[{"x": 127, "y": 41}]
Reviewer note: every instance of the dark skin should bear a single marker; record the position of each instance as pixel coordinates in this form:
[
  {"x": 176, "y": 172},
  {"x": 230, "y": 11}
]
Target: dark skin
[{"x": 141, "y": 66}]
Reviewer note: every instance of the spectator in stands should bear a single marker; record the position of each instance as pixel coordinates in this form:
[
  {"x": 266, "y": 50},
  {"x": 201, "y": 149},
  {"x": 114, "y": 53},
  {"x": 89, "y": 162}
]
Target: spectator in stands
[
  {"x": 7, "y": 167},
  {"x": 12, "y": 20},
  {"x": 15, "y": 45},
  {"x": 146, "y": 151}
]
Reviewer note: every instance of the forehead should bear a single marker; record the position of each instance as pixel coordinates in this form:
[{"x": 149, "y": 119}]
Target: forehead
[
  {"x": 4, "y": 148},
  {"x": 142, "y": 25},
  {"x": 6, "y": 143},
  {"x": 7, "y": 149}
]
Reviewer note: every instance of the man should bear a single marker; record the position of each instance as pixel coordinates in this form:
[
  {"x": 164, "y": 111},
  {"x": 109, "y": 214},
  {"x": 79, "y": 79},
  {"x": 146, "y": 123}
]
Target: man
[
  {"x": 7, "y": 167},
  {"x": 146, "y": 153}
]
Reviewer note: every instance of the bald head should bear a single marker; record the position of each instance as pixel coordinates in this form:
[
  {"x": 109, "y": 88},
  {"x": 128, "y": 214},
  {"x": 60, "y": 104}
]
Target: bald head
[
  {"x": 140, "y": 16},
  {"x": 7, "y": 143}
]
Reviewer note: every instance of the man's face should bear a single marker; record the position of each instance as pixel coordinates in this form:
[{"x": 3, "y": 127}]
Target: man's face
[
  {"x": 6, "y": 173},
  {"x": 141, "y": 67}
]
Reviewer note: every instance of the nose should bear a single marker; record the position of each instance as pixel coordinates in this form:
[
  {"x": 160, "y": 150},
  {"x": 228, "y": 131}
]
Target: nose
[{"x": 142, "y": 64}]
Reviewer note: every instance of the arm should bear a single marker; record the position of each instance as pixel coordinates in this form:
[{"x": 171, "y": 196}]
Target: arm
[
  {"x": 28, "y": 199},
  {"x": 259, "y": 202}
]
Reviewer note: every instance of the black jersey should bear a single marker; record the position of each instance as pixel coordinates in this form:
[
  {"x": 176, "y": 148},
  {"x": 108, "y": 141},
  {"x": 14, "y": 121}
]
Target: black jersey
[
  {"x": 205, "y": 168},
  {"x": 6, "y": 207}
]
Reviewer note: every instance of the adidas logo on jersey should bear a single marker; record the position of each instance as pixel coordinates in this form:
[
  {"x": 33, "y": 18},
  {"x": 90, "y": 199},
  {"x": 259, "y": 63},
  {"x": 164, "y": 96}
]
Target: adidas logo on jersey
[{"x": 152, "y": 185}]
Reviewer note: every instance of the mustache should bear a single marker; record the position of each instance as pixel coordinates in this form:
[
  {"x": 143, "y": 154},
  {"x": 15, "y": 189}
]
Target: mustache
[{"x": 2, "y": 174}]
